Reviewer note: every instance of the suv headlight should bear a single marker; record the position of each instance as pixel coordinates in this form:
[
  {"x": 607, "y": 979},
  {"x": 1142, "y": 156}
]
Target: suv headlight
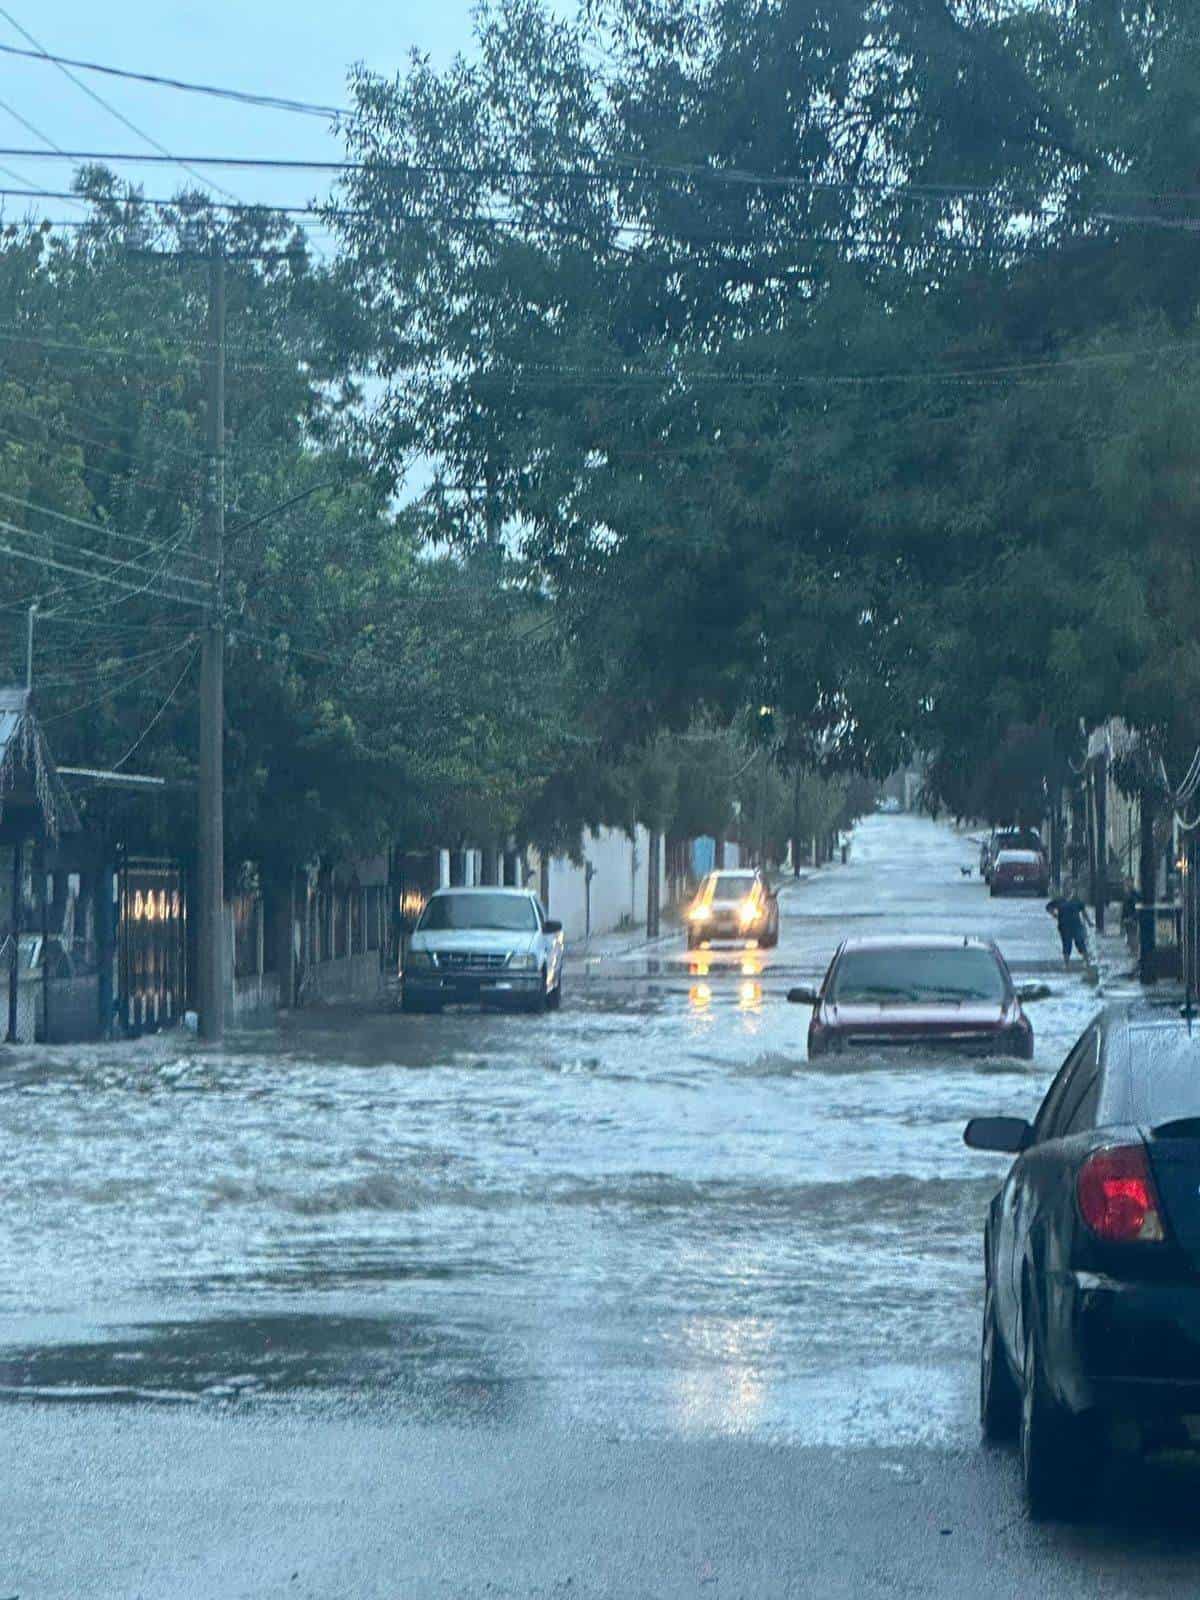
[
  {"x": 519, "y": 962},
  {"x": 419, "y": 961}
]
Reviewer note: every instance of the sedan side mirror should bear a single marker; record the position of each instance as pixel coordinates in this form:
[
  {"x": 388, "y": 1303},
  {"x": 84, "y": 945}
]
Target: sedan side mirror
[
  {"x": 802, "y": 997},
  {"x": 1008, "y": 1135},
  {"x": 551, "y": 927}
]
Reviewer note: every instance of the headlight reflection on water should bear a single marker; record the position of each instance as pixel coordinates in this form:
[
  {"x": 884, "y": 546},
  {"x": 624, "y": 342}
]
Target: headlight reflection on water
[{"x": 722, "y": 1388}]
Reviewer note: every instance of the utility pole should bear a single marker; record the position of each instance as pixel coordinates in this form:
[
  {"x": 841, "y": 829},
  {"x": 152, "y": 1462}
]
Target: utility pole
[
  {"x": 29, "y": 647},
  {"x": 762, "y": 812},
  {"x": 212, "y": 683},
  {"x": 796, "y": 823}
]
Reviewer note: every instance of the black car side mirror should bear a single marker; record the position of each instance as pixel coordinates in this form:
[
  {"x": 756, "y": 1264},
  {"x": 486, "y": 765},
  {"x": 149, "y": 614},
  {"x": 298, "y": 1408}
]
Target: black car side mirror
[
  {"x": 551, "y": 927},
  {"x": 802, "y": 997},
  {"x": 1008, "y": 1135}
]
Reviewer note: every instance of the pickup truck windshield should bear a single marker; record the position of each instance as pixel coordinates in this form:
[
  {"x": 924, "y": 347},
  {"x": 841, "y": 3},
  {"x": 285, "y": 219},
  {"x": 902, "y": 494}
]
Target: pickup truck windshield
[{"x": 512, "y": 913}]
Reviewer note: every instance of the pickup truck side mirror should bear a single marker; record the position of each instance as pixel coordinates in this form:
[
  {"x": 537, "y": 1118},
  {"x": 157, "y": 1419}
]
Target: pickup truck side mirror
[
  {"x": 551, "y": 927},
  {"x": 802, "y": 997},
  {"x": 1007, "y": 1135}
]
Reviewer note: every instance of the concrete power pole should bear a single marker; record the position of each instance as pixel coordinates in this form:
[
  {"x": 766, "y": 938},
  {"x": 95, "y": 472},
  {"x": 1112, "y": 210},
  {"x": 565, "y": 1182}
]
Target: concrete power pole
[{"x": 212, "y": 685}]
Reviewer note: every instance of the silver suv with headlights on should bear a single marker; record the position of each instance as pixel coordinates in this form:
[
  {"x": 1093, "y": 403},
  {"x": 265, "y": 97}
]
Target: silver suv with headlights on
[{"x": 493, "y": 946}]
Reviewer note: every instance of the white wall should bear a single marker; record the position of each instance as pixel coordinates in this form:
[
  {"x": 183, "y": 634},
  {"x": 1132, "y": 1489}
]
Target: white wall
[{"x": 619, "y": 883}]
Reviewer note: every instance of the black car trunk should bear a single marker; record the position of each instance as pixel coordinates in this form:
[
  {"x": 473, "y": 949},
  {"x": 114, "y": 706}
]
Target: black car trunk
[{"x": 1174, "y": 1149}]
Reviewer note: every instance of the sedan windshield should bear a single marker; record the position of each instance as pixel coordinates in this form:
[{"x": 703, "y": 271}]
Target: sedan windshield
[
  {"x": 918, "y": 976},
  {"x": 510, "y": 913}
]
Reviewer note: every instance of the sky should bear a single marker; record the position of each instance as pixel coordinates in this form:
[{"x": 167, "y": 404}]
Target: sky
[{"x": 297, "y": 48}]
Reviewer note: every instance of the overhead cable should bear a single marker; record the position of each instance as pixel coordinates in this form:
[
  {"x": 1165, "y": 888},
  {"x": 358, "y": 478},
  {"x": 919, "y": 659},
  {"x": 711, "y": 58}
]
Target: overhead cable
[
  {"x": 242, "y": 96},
  {"x": 106, "y": 105},
  {"x": 40, "y": 559},
  {"x": 92, "y": 527}
]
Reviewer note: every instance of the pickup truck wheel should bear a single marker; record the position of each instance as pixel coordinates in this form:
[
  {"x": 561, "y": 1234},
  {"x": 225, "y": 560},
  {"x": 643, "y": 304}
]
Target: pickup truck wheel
[{"x": 541, "y": 1000}]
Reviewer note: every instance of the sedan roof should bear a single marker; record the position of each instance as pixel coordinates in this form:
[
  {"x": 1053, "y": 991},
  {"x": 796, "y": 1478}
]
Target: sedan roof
[{"x": 917, "y": 941}]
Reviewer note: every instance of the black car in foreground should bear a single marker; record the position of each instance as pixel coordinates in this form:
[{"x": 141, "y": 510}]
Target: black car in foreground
[{"x": 1091, "y": 1314}]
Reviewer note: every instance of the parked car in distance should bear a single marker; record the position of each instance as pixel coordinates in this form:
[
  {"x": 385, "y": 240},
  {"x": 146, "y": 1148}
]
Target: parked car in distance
[
  {"x": 889, "y": 804},
  {"x": 737, "y": 904},
  {"x": 949, "y": 990},
  {"x": 1091, "y": 1309},
  {"x": 486, "y": 945},
  {"x": 1019, "y": 872},
  {"x": 1008, "y": 839}
]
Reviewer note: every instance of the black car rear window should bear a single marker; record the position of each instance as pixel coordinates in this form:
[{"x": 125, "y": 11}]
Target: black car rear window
[
  {"x": 950, "y": 975},
  {"x": 1165, "y": 1071}
]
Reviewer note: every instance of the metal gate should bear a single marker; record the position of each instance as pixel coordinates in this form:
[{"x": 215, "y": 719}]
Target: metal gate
[{"x": 153, "y": 944}]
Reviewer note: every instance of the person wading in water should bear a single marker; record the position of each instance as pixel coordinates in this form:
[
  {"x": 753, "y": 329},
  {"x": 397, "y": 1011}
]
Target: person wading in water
[{"x": 1071, "y": 915}]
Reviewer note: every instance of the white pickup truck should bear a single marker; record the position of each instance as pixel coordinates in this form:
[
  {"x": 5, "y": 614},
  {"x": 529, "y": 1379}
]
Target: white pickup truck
[{"x": 492, "y": 946}]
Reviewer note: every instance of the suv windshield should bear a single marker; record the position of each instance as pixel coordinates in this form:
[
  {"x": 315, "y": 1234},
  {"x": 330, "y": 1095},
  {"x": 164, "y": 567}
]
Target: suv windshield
[
  {"x": 918, "y": 976},
  {"x": 730, "y": 886},
  {"x": 512, "y": 913}
]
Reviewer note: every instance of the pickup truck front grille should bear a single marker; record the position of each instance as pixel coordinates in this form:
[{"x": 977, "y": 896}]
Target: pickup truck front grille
[{"x": 470, "y": 961}]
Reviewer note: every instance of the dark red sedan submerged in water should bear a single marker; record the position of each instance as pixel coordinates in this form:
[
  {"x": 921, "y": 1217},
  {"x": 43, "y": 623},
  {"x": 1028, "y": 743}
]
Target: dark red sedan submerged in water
[{"x": 949, "y": 990}]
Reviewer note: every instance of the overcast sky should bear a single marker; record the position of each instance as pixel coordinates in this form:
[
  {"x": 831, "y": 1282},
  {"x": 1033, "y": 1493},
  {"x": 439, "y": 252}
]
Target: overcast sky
[{"x": 297, "y": 48}]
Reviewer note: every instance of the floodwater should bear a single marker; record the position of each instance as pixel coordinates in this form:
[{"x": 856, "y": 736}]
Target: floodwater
[{"x": 647, "y": 1212}]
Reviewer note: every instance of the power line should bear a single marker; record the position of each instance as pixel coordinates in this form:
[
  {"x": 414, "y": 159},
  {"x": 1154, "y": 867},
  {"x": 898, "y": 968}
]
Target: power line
[
  {"x": 110, "y": 108},
  {"x": 37, "y": 133},
  {"x": 242, "y": 96},
  {"x": 155, "y": 547},
  {"x": 119, "y": 688},
  {"x": 60, "y": 405},
  {"x": 114, "y": 475},
  {"x": 80, "y": 572},
  {"x": 140, "y": 740},
  {"x": 620, "y": 168}
]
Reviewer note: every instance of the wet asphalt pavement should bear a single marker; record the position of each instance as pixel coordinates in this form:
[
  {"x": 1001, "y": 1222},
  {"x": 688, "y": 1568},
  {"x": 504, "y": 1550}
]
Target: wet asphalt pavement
[{"x": 628, "y": 1300}]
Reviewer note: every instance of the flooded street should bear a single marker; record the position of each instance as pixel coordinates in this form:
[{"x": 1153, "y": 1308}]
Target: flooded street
[
  {"x": 648, "y": 1211},
  {"x": 644, "y": 1220}
]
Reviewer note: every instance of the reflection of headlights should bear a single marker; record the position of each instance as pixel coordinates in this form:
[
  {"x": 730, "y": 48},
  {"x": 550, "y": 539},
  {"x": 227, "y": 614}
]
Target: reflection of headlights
[
  {"x": 697, "y": 914},
  {"x": 518, "y": 962},
  {"x": 747, "y": 913},
  {"x": 419, "y": 961}
]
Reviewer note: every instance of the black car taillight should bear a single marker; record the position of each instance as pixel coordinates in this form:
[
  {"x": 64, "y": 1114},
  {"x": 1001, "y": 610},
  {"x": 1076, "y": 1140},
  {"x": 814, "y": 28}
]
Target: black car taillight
[{"x": 1117, "y": 1197}]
